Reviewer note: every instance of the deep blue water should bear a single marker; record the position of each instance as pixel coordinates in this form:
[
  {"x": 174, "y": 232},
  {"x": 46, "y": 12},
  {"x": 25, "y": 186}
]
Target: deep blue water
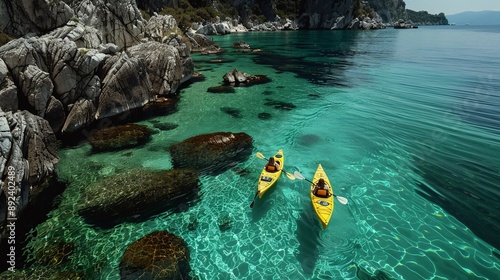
[{"x": 405, "y": 122}]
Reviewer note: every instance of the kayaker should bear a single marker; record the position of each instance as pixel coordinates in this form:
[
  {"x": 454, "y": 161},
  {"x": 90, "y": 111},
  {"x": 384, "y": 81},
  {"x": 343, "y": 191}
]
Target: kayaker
[
  {"x": 272, "y": 166},
  {"x": 321, "y": 189}
]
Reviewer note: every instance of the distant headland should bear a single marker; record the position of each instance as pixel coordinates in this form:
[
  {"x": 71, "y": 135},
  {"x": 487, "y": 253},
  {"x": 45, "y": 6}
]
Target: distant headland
[{"x": 475, "y": 18}]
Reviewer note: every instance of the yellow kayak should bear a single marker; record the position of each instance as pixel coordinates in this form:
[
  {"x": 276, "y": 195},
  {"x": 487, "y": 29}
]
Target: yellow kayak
[
  {"x": 322, "y": 199},
  {"x": 268, "y": 178}
]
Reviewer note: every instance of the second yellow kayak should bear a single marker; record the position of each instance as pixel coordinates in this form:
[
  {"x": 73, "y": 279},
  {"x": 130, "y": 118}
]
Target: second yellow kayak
[{"x": 322, "y": 198}]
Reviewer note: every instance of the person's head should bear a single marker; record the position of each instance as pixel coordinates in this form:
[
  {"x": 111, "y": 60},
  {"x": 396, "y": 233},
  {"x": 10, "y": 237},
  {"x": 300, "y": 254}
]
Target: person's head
[
  {"x": 271, "y": 160},
  {"x": 321, "y": 182}
]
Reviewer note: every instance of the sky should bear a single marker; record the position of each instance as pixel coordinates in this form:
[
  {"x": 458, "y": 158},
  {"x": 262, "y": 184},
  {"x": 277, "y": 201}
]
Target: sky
[{"x": 451, "y": 7}]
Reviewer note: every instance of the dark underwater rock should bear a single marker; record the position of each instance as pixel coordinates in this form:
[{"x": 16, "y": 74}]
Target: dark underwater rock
[
  {"x": 221, "y": 89},
  {"x": 212, "y": 153},
  {"x": 308, "y": 139},
  {"x": 160, "y": 107},
  {"x": 55, "y": 254},
  {"x": 137, "y": 192},
  {"x": 265, "y": 116},
  {"x": 165, "y": 126},
  {"x": 119, "y": 137},
  {"x": 280, "y": 105},
  {"x": 158, "y": 255},
  {"x": 233, "y": 112},
  {"x": 41, "y": 273}
]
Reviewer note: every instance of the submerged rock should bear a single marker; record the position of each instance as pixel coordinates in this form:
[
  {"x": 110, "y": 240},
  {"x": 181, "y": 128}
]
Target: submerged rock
[
  {"x": 160, "y": 107},
  {"x": 55, "y": 254},
  {"x": 221, "y": 89},
  {"x": 165, "y": 126},
  {"x": 280, "y": 105},
  {"x": 119, "y": 137},
  {"x": 137, "y": 192},
  {"x": 158, "y": 255},
  {"x": 212, "y": 153},
  {"x": 264, "y": 116},
  {"x": 233, "y": 112},
  {"x": 41, "y": 273}
]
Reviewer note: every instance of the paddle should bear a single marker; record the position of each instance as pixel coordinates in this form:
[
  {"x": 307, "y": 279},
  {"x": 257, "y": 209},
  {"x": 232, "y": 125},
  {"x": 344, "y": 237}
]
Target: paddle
[
  {"x": 299, "y": 176},
  {"x": 290, "y": 176}
]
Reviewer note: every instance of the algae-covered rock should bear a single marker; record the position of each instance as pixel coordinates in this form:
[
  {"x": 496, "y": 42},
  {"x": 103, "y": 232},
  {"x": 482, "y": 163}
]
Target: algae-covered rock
[
  {"x": 55, "y": 254},
  {"x": 213, "y": 152},
  {"x": 158, "y": 255},
  {"x": 121, "y": 136},
  {"x": 136, "y": 193}
]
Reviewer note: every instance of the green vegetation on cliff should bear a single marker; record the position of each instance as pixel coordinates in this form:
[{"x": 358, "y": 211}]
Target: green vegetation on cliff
[{"x": 425, "y": 18}]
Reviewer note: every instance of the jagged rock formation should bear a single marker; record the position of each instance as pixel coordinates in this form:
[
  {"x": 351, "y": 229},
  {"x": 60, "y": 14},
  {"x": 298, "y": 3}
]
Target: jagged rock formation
[
  {"x": 75, "y": 63},
  {"x": 58, "y": 79},
  {"x": 304, "y": 14},
  {"x": 389, "y": 11},
  {"x": 118, "y": 21},
  {"x": 18, "y": 18},
  {"x": 28, "y": 150}
]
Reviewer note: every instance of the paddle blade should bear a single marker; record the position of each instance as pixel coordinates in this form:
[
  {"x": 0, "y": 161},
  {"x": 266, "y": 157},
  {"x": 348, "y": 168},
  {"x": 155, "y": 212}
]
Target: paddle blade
[
  {"x": 342, "y": 199},
  {"x": 260, "y": 155},
  {"x": 290, "y": 176},
  {"x": 298, "y": 175}
]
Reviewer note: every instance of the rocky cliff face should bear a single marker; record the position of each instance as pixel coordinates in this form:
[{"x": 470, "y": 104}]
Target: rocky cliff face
[
  {"x": 338, "y": 14},
  {"x": 389, "y": 10}
]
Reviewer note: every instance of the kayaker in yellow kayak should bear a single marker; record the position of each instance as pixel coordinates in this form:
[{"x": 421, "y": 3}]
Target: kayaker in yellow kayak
[
  {"x": 321, "y": 189},
  {"x": 272, "y": 166}
]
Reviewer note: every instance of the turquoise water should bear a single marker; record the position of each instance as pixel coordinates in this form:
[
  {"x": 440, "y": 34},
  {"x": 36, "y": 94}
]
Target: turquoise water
[{"x": 405, "y": 123}]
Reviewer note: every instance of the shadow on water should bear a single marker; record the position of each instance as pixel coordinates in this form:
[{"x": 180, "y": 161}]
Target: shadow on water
[
  {"x": 308, "y": 235},
  {"x": 263, "y": 205},
  {"x": 467, "y": 190},
  {"x": 332, "y": 57}
]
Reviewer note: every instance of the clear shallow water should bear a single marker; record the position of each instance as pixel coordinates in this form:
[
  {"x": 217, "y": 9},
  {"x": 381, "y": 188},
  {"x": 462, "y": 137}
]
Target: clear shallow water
[{"x": 405, "y": 122}]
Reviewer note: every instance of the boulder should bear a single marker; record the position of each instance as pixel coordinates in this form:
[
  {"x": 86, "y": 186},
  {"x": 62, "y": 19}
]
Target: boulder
[
  {"x": 237, "y": 78},
  {"x": 81, "y": 114},
  {"x": 119, "y": 137},
  {"x": 19, "y": 17},
  {"x": 160, "y": 26},
  {"x": 212, "y": 153},
  {"x": 118, "y": 21},
  {"x": 240, "y": 45},
  {"x": 84, "y": 36},
  {"x": 163, "y": 65},
  {"x": 158, "y": 255},
  {"x": 134, "y": 194},
  {"x": 125, "y": 86},
  {"x": 219, "y": 28},
  {"x": 37, "y": 87},
  {"x": 8, "y": 95}
]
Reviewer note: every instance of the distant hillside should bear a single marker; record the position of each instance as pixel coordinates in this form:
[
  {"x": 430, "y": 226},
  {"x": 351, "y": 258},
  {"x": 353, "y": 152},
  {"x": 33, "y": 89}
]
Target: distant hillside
[
  {"x": 476, "y": 18},
  {"x": 424, "y": 18}
]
